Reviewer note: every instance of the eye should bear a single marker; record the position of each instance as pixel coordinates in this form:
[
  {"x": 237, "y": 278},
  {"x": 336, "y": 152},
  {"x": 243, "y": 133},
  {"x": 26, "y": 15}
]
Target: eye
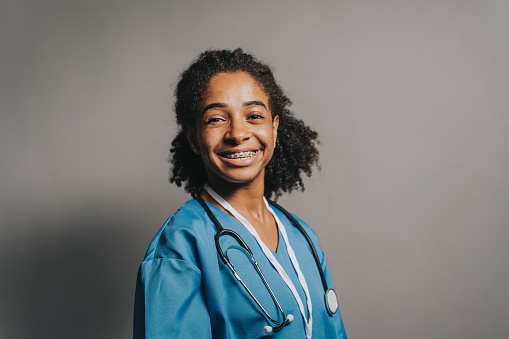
[
  {"x": 214, "y": 120},
  {"x": 255, "y": 116}
]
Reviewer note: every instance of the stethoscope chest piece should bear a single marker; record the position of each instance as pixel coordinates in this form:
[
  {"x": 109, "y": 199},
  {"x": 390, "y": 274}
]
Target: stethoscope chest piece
[{"x": 331, "y": 300}]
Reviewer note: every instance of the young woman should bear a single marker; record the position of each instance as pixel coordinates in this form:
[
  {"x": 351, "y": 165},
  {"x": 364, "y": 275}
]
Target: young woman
[{"x": 230, "y": 264}]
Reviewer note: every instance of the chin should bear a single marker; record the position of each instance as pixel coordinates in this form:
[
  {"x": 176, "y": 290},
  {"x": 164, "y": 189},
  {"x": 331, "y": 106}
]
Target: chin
[{"x": 237, "y": 179}]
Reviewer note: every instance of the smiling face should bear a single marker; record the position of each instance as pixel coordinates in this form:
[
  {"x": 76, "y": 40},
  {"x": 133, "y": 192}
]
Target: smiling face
[{"x": 235, "y": 132}]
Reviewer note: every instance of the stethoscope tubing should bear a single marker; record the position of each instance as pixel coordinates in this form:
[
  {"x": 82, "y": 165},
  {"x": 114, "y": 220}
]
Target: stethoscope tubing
[
  {"x": 222, "y": 231},
  {"x": 287, "y": 214},
  {"x": 242, "y": 243},
  {"x": 310, "y": 243}
]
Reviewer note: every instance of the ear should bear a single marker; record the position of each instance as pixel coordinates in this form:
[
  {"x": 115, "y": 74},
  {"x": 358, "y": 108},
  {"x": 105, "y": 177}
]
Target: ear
[
  {"x": 191, "y": 138},
  {"x": 275, "y": 125}
]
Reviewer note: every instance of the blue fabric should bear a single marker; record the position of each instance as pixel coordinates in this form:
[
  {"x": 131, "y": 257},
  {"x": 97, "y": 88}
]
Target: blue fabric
[{"x": 184, "y": 290}]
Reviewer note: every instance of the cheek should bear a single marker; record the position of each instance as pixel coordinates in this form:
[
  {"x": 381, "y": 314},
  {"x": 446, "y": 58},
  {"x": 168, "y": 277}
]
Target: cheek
[
  {"x": 269, "y": 135},
  {"x": 209, "y": 141}
]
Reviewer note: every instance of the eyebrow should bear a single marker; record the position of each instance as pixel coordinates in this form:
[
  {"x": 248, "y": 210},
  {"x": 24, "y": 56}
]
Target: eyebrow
[
  {"x": 214, "y": 105},
  {"x": 222, "y": 105},
  {"x": 254, "y": 103}
]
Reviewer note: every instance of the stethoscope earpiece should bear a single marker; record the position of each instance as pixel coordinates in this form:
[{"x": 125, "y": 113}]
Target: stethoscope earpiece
[{"x": 289, "y": 318}]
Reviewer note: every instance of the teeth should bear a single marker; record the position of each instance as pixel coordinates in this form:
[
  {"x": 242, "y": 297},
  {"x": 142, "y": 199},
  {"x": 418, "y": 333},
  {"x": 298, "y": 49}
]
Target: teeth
[{"x": 240, "y": 155}]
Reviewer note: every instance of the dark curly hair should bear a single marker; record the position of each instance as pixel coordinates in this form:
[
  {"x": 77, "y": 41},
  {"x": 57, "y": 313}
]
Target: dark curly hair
[{"x": 295, "y": 151}]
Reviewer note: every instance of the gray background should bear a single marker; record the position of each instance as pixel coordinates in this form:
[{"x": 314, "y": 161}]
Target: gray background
[{"x": 411, "y": 101}]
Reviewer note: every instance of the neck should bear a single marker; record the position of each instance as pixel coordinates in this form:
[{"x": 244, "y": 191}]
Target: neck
[{"x": 247, "y": 199}]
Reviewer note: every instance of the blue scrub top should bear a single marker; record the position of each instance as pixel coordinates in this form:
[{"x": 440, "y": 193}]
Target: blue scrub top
[{"x": 184, "y": 290}]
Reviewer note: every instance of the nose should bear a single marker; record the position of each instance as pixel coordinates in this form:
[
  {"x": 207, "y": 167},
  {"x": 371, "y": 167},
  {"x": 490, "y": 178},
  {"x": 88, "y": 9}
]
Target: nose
[{"x": 238, "y": 131}]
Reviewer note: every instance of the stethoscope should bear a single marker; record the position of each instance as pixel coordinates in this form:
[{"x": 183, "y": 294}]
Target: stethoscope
[{"x": 331, "y": 300}]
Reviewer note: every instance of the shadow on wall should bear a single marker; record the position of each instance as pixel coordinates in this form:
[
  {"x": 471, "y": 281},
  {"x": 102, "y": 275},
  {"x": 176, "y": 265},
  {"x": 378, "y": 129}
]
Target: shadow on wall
[{"x": 69, "y": 277}]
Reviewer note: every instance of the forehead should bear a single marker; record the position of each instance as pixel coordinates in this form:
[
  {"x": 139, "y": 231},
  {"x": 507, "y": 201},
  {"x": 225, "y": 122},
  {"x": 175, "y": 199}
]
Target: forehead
[{"x": 224, "y": 87}]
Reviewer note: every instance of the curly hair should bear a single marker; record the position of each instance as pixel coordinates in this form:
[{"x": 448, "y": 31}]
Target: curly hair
[{"x": 295, "y": 150}]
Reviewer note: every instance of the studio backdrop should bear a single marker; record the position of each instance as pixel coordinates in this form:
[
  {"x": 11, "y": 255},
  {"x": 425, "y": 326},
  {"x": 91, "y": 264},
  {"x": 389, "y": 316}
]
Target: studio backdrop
[{"x": 411, "y": 205}]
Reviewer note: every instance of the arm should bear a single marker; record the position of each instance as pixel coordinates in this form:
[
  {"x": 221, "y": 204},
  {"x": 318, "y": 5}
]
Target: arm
[
  {"x": 170, "y": 301},
  {"x": 340, "y": 329}
]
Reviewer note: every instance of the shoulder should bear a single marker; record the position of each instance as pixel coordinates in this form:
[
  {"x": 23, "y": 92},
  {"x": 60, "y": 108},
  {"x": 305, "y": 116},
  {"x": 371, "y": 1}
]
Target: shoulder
[
  {"x": 297, "y": 236},
  {"x": 189, "y": 216},
  {"x": 283, "y": 213},
  {"x": 294, "y": 231},
  {"x": 181, "y": 234},
  {"x": 287, "y": 220}
]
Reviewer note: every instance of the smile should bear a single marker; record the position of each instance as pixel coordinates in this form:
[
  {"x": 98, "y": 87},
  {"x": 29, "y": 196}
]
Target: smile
[{"x": 240, "y": 155}]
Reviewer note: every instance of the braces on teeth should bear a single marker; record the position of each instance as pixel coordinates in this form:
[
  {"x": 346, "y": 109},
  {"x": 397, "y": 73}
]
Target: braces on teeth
[{"x": 240, "y": 155}]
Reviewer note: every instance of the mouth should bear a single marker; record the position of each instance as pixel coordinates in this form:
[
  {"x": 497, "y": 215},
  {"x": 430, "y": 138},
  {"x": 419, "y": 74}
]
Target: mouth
[{"x": 240, "y": 155}]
